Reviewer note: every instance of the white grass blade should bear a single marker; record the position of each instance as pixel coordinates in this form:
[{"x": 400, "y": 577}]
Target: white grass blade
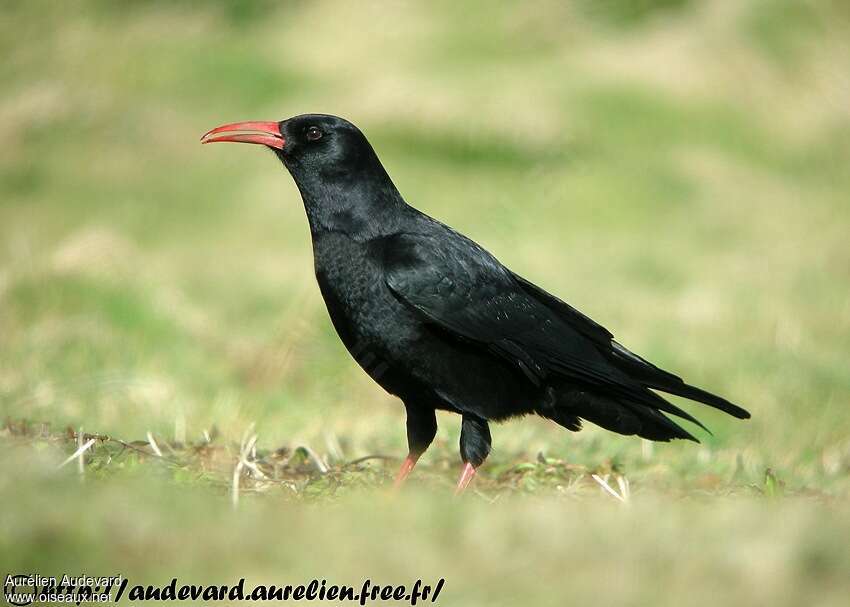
[
  {"x": 153, "y": 445},
  {"x": 334, "y": 448},
  {"x": 250, "y": 449},
  {"x": 249, "y": 431},
  {"x": 79, "y": 453},
  {"x": 234, "y": 495},
  {"x": 604, "y": 484},
  {"x": 625, "y": 489},
  {"x": 81, "y": 464},
  {"x": 322, "y": 466},
  {"x": 247, "y": 448}
]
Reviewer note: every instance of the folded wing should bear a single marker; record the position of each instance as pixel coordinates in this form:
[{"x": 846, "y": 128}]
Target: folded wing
[{"x": 456, "y": 285}]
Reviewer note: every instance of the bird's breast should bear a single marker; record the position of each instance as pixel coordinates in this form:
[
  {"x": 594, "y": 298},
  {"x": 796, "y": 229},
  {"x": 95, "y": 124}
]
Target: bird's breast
[
  {"x": 374, "y": 326},
  {"x": 396, "y": 347}
]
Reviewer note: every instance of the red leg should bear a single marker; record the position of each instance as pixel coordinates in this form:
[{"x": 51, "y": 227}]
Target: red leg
[
  {"x": 465, "y": 477},
  {"x": 406, "y": 467}
]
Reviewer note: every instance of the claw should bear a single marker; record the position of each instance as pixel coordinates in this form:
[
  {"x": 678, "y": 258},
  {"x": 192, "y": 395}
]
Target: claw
[
  {"x": 465, "y": 477},
  {"x": 403, "y": 472}
]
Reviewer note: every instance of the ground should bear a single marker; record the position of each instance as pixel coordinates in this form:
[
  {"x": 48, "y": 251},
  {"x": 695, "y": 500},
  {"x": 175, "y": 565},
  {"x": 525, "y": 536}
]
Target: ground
[{"x": 677, "y": 170}]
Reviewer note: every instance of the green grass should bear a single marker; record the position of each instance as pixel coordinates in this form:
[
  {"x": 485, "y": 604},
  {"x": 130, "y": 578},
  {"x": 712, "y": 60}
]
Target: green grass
[{"x": 677, "y": 170}]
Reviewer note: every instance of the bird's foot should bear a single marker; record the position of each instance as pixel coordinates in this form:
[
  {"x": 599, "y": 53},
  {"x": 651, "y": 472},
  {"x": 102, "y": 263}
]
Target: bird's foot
[
  {"x": 405, "y": 470},
  {"x": 465, "y": 477}
]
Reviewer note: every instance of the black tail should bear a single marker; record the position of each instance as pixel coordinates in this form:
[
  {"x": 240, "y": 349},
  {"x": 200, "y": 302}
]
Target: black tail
[
  {"x": 621, "y": 416},
  {"x": 651, "y": 376}
]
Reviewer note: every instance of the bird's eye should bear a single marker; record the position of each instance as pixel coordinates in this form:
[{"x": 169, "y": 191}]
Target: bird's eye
[{"x": 313, "y": 133}]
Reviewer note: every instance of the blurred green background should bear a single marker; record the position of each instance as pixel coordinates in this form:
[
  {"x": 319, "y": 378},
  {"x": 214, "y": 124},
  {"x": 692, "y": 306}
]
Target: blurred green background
[{"x": 676, "y": 169}]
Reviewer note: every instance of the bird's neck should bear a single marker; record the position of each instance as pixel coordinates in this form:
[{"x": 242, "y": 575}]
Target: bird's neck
[{"x": 362, "y": 206}]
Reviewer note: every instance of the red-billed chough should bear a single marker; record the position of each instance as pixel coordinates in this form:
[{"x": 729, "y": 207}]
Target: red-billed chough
[{"x": 437, "y": 321}]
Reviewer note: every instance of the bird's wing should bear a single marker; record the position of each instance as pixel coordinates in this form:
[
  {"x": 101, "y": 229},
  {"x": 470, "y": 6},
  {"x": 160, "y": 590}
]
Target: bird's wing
[
  {"x": 458, "y": 286},
  {"x": 634, "y": 366},
  {"x": 578, "y": 321}
]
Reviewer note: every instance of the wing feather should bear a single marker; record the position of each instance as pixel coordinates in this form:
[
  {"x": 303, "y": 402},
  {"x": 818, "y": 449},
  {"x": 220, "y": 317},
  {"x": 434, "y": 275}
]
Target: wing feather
[{"x": 462, "y": 289}]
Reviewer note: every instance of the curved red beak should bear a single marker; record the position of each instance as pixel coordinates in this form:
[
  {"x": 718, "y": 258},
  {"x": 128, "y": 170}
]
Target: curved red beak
[{"x": 264, "y": 133}]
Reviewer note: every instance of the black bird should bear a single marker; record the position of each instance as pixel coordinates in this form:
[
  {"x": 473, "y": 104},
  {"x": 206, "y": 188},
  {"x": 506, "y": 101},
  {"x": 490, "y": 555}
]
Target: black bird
[{"x": 436, "y": 320}]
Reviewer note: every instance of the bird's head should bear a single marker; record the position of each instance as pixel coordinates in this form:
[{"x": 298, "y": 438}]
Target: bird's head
[
  {"x": 308, "y": 145},
  {"x": 332, "y": 162}
]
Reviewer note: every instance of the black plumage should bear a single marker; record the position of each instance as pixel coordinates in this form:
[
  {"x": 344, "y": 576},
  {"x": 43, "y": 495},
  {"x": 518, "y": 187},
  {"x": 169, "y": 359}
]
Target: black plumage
[{"x": 438, "y": 321}]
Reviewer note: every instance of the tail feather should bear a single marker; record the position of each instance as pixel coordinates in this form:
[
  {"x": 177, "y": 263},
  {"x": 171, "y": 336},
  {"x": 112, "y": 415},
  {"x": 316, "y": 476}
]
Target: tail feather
[
  {"x": 658, "y": 379},
  {"x": 664, "y": 405},
  {"x": 694, "y": 393},
  {"x": 657, "y": 426},
  {"x": 614, "y": 414}
]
